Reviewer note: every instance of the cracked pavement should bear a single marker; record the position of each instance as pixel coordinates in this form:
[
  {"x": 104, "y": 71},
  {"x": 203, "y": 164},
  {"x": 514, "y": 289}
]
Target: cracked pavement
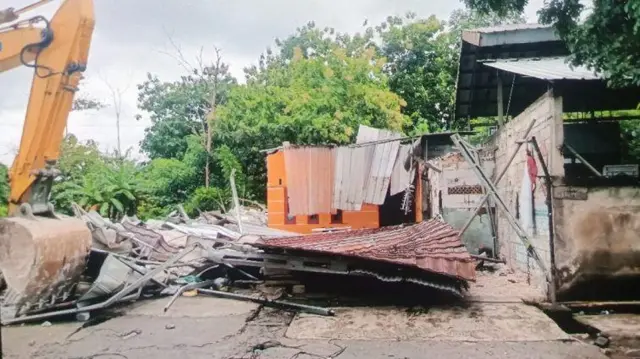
[{"x": 203, "y": 327}]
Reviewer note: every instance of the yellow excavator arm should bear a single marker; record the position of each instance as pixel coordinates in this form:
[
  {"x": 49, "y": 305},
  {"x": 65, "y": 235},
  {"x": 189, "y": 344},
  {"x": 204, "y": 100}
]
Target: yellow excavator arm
[
  {"x": 42, "y": 254},
  {"x": 57, "y": 50}
]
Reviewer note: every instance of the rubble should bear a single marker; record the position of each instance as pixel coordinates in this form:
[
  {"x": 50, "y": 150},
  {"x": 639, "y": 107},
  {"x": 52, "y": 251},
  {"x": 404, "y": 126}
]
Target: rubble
[{"x": 235, "y": 255}]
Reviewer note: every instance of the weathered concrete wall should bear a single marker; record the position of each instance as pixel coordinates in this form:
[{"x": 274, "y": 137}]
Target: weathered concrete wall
[
  {"x": 458, "y": 190},
  {"x": 597, "y": 236},
  {"x": 596, "y": 230},
  {"x": 547, "y": 112}
]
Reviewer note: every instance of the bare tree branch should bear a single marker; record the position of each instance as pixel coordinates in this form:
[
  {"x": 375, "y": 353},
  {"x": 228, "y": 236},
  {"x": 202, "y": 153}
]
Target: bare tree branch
[
  {"x": 116, "y": 99},
  {"x": 208, "y": 78},
  {"x": 180, "y": 58}
]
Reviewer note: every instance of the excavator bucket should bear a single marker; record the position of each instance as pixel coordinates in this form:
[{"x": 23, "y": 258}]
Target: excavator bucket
[{"x": 42, "y": 258}]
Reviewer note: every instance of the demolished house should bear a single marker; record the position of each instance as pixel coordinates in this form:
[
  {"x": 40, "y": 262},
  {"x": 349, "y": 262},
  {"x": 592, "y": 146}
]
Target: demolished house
[
  {"x": 552, "y": 191},
  {"x": 360, "y": 207},
  {"x": 370, "y": 184}
]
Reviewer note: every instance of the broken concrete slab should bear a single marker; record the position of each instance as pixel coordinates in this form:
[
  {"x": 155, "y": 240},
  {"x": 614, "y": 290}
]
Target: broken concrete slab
[
  {"x": 193, "y": 307},
  {"x": 503, "y": 286},
  {"x": 480, "y": 322},
  {"x": 26, "y": 339},
  {"x": 614, "y": 325}
]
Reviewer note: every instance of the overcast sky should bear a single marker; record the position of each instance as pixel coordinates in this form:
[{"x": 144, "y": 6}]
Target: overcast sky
[{"x": 131, "y": 36}]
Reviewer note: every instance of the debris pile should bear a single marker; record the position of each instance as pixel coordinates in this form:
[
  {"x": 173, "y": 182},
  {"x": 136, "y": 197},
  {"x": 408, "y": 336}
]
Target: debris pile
[{"x": 233, "y": 255}]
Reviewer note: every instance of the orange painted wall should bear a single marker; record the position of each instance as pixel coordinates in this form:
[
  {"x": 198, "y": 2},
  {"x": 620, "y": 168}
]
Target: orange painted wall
[{"x": 368, "y": 217}]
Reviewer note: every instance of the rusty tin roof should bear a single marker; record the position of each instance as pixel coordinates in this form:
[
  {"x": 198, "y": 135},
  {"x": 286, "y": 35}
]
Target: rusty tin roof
[{"x": 431, "y": 245}]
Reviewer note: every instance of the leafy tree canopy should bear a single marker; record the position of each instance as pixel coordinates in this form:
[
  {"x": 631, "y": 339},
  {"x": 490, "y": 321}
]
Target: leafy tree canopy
[
  {"x": 310, "y": 100},
  {"x": 178, "y": 109}
]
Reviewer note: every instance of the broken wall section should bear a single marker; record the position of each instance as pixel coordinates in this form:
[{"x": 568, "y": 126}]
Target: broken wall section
[{"x": 548, "y": 131}]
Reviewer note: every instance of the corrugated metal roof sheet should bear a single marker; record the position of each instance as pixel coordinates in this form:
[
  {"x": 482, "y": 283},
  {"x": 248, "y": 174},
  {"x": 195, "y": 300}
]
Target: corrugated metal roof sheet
[
  {"x": 351, "y": 170},
  {"x": 555, "y": 68},
  {"x": 432, "y": 246},
  {"x": 509, "y": 27},
  {"x": 309, "y": 174},
  {"x": 401, "y": 177},
  {"x": 384, "y": 157},
  {"x": 510, "y": 35}
]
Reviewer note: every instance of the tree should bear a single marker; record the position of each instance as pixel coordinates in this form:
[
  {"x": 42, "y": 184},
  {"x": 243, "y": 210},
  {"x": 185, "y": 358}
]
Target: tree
[
  {"x": 421, "y": 69},
  {"x": 169, "y": 180},
  {"x": 112, "y": 189},
  {"x": 310, "y": 41},
  {"x": 607, "y": 40},
  {"x": 422, "y": 66},
  {"x": 310, "y": 100},
  {"x": 96, "y": 180},
  {"x": 184, "y": 107},
  {"x": 84, "y": 102},
  {"x": 78, "y": 158},
  {"x": 116, "y": 102}
]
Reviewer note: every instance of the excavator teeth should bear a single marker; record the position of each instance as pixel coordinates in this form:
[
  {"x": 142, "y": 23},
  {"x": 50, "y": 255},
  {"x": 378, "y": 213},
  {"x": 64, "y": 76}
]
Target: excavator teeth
[{"x": 42, "y": 257}]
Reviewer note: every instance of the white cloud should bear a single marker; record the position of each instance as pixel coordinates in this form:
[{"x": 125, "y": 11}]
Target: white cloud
[{"x": 129, "y": 40}]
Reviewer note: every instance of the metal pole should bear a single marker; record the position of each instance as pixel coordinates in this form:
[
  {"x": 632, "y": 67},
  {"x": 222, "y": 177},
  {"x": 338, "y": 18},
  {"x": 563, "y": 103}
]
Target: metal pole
[
  {"x": 307, "y": 308},
  {"x": 185, "y": 288},
  {"x": 236, "y": 199},
  {"x": 504, "y": 171},
  {"x": 585, "y": 162},
  {"x": 552, "y": 255}
]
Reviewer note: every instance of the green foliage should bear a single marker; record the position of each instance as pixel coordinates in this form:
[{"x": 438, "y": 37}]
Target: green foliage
[
  {"x": 111, "y": 189},
  {"x": 311, "y": 100},
  {"x": 168, "y": 181},
  {"x": 207, "y": 199},
  {"x": 78, "y": 158},
  {"x": 96, "y": 181},
  {"x": 421, "y": 68},
  {"x": 229, "y": 164},
  {"x": 309, "y": 41},
  {"x": 4, "y": 190},
  {"x": 607, "y": 40},
  {"x": 631, "y": 139},
  {"x": 179, "y": 109}
]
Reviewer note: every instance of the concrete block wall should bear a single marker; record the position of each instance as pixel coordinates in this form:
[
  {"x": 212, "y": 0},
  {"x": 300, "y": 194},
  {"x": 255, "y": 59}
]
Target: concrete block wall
[
  {"x": 547, "y": 112},
  {"x": 458, "y": 205}
]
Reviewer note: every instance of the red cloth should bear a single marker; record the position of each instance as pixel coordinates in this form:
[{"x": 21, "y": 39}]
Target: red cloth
[{"x": 532, "y": 169}]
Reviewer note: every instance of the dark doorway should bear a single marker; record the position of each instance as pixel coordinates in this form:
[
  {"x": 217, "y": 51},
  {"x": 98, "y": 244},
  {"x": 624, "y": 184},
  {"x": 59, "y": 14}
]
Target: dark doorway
[{"x": 391, "y": 212}]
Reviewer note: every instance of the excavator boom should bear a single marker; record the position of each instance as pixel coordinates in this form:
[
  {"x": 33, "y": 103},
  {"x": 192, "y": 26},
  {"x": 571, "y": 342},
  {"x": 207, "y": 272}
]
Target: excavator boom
[{"x": 41, "y": 253}]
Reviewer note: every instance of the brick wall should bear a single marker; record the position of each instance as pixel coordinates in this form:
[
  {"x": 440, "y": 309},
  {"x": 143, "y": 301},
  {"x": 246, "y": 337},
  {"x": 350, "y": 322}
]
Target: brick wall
[
  {"x": 547, "y": 111},
  {"x": 367, "y": 217}
]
